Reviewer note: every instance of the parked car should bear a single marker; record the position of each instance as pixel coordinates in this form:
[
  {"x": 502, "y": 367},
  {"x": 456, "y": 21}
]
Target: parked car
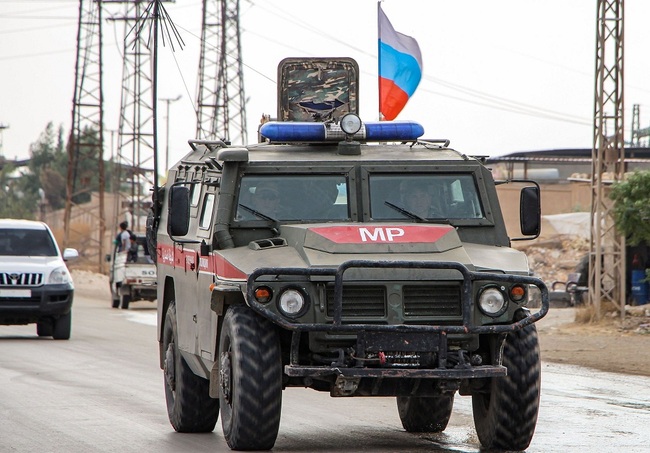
[{"x": 35, "y": 283}]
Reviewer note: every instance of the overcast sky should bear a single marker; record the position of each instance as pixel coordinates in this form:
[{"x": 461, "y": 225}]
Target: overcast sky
[{"x": 499, "y": 76}]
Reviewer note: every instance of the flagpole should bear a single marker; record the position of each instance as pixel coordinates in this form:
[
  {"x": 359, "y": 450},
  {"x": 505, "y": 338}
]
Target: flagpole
[{"x": 378, "y": 59}]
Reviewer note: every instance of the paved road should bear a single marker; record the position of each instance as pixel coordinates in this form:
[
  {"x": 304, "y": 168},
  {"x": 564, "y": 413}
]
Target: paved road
[{"x": 102, "y": 391}]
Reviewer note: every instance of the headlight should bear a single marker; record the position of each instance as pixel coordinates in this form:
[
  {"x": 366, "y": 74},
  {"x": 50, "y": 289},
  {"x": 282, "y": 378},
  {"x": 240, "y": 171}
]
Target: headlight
[
  {"x": 291, "y": 302},
  {"x": 491, "y": 301},
  {"x": 59, "y": 276}
]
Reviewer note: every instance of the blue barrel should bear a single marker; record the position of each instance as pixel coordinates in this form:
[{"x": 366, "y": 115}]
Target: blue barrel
[{"x": 639, "y": 287}]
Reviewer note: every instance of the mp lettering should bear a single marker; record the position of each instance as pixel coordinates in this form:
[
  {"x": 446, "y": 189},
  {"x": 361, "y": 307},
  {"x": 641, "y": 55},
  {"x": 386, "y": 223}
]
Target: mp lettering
[{"x": 380, "y": 234}]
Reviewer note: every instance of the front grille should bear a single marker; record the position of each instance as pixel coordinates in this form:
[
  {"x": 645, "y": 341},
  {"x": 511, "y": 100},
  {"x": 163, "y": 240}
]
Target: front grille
[
  {"x": 438, "y": 300},
  {"x": 16, "y": 279},
  {"x": 360, "y": 301}
]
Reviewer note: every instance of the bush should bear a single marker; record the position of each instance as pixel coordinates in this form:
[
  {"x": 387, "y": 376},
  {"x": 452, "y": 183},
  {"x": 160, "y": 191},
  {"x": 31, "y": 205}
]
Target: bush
[{"x": 631, "y": 209}]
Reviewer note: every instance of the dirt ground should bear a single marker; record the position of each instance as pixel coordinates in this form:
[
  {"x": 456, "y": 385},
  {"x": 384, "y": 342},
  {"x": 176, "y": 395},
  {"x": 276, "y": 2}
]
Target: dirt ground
[
  {"x": 567, "y": 335},
  {"x": 609, "y": 345},
  {"x": 574, "y": 335}
]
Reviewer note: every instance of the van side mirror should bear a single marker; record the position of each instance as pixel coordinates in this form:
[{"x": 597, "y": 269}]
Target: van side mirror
[
  {"x": 178, "y": 213},
  {"x": 530, "y": 214}
]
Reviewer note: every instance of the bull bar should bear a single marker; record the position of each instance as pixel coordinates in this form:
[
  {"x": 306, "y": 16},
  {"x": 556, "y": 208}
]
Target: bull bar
[{"x": 462, "y": 371}]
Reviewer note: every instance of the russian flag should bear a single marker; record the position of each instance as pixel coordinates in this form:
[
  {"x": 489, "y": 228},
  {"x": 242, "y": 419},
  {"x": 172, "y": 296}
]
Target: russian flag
[{"x": 400, "y": 68}]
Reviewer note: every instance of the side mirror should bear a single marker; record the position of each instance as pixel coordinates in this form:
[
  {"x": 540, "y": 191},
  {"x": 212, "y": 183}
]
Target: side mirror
[
  {"x": 70, "y": 254},
  {"x": 178, "y": 214},
  {"x": 530, "y": 214}
]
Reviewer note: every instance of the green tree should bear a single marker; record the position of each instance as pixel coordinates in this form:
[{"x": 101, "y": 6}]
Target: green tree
[
  {"x": 47, "y": 173},
  {"x": 14, "y": 203},
  {"x": 631, "y": 210}
]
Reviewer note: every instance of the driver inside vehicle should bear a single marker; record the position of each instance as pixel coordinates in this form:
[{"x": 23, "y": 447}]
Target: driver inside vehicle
[
  {"x": 266, "y": 199},
  {"x": 418, "y": 199}
]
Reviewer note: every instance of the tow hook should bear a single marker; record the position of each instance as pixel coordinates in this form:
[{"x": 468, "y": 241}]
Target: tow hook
[{"x": 345, "y": 386}]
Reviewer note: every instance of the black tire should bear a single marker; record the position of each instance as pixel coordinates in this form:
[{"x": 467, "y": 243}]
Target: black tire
[
  {"x": 506, "y": 414},
  {"x": 45, "y": 328},
  {"x": 423, "y": 414},
  {"x": 125, "y": 300},
  {"x": 250, "y": 380},
  {"x": 189, "y": 406},
  {"x": 152, "y": 227},
  {"x": 62, "y": 327}
]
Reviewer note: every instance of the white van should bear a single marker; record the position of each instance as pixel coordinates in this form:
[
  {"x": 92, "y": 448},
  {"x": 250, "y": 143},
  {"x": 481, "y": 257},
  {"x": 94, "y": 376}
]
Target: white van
[{"x": 35, "y": 284}]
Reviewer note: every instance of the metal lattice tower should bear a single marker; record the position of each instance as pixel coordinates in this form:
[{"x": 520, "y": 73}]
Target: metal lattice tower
[
  {"x": 84, "y": 223},
  {"x": 637, "y": 133},
  {"x": 221, "y": 101},
  {"x": 135, "y": 148},
  {"x": 607, "y": 251}
]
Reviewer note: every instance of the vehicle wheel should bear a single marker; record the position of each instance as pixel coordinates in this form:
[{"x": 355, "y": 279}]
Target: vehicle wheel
[
  {"x": 125, "y": 301},
  {"x": 506, "y": 414},
  {"x": 189, "y": 406},
  {"x": 44, "y": 328},
  {"x": 423, "y": 414},
  {"x": 250, "y": 380},
  {"x": 62, "y": 327}
]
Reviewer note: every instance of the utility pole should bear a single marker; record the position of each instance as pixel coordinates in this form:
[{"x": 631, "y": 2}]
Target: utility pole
[
  {"x": 135, "y": 148},
  {"x": 168, "y": 101},
  {"x": 637, "y": 132},
  {"x": 221, "y": 113},
  {"x": 83, "y": 221},
  {"x": 2, "y": 128},
  {"x": 607, "y": 246}
]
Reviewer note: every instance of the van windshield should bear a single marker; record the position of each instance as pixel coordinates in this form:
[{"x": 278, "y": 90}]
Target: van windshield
[{"x": 17, "y": 242}]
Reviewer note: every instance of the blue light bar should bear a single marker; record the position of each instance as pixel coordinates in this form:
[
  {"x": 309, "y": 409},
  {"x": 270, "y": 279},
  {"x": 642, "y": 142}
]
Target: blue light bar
[
  {"x": 386, "y": 131},
  {"x": 293, "y": 132},
  {"x": 381, "y": 131}
]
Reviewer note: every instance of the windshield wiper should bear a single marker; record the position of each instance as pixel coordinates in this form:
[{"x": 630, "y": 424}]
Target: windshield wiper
[
  {"x": 413, "y": 215},
  {"x": 405, "y": 212},
  {"x": 262, "y": 216}
]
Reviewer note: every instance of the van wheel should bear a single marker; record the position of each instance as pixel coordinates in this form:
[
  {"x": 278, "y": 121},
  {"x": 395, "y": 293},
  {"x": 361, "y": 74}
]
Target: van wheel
[
  {"x": 44, "y": 328},
  {"x": 125, "y": 301},
  {"x": 189, "y": 406},
  {"x": 425, "y": 415},
  {"x": 250, "y": 380},
  {"x": 505, "y": 414},
  {"x": 62, "y": 327}
]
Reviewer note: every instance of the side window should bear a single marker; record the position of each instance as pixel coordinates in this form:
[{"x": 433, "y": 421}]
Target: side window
[
  {"x": 195, "y": 194},
  {"x": 206, "y": 212}
]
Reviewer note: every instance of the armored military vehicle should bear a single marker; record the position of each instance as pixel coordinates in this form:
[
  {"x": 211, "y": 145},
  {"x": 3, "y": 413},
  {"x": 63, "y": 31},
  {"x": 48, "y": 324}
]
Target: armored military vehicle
[{"x": 348, "y": 257}]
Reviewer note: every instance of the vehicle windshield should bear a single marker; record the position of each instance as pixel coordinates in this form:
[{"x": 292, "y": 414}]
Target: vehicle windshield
[
  {"x": 293, "y": 198},
  {"x": 421, "y": 197},
  {"x": 17, "y": 242}
]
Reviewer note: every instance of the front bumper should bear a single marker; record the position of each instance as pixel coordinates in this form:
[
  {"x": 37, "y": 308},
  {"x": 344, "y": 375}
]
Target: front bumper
[
  {"x": 416, "y": 339},
  {"x": 47, "y": 301}
]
